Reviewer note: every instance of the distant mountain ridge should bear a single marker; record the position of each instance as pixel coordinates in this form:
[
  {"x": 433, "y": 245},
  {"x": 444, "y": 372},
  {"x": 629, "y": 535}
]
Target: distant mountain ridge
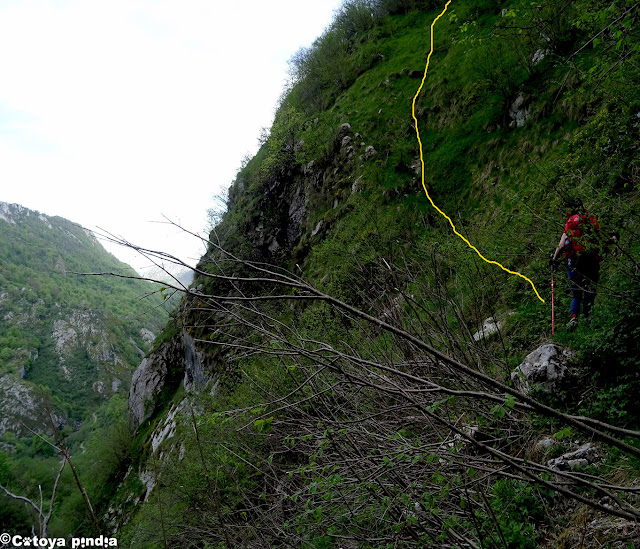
[
  {"x": 77, "y": 338},
  {"x": 169, "y": 273}
]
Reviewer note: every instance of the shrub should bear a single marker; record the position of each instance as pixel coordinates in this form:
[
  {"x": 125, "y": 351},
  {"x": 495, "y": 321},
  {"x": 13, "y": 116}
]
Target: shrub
[
  {"x": 515, "y": 505},
  {"x": 498, "y": 65}
]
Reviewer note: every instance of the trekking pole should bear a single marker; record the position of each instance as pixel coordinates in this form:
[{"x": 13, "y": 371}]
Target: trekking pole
[{"x": 552, "y": 307}]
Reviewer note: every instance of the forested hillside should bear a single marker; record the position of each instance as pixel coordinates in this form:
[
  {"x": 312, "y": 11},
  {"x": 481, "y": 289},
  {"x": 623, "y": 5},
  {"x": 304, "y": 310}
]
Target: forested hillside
[
  {"x": 345, "y": 371},
  {"x": 68, "y": 347}
]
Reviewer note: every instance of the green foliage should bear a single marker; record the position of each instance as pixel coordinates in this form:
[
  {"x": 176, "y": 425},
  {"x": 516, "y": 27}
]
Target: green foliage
[
  {"x": 368, "y": 236},
  {"x": 609, "y": 352},
  {"x": 42, "y": 287},
  {"x": 516, "y": 507},
  {"x": 98, "y": 320},
  {"x": 283, "y": 137},
  {"x": 496, "y": 63},
  {"x": 100, "y": 452},
  {"x": 332, "y": 63}
]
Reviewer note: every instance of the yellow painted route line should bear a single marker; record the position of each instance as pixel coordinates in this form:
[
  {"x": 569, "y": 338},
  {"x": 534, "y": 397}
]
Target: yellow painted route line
[{"x": 413, "y": 113}]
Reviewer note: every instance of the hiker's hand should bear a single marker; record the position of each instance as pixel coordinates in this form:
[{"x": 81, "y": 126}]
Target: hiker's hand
[{"x": 553, "y": 264}]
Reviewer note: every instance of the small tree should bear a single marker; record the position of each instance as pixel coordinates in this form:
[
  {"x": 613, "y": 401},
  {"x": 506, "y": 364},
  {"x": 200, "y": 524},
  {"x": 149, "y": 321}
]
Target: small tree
[{"x": 39, "y": 508}]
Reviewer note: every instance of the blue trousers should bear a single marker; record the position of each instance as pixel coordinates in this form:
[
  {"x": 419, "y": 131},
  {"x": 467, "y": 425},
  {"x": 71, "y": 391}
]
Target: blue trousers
[{"x": 584, "y": 272}]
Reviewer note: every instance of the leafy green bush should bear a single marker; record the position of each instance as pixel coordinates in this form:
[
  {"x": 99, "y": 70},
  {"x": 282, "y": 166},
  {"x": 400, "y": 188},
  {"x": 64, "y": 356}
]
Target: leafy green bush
[
  {"x": 516, "y": 508},
  {"x": 281, "y": 145}
]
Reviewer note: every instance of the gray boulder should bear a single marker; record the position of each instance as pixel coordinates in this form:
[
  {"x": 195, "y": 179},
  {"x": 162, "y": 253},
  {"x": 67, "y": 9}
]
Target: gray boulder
[
  {"x": 344, "y": 129},
  {"x": 518, "y": 112},
  {"x": 318, "y": 228},
  {"x": 586, "y": 454},
  {"x": 545, "y": 444},
  {"x": 542, "y": 369},
  {"x": 489, "y": 327}
]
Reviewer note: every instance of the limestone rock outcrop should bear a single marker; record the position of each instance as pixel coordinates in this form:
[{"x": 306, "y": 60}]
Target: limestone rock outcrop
[
  {"x": 489, "y": 327},
  {"x": 194, "y": 372},
  {"x": 159, "y": 371},
  {"x": 585, "y": 455},
  {"x": 178, "y": 360},
  {"x": 542, "y": 369},
  {"x": 21, "y": 407}
]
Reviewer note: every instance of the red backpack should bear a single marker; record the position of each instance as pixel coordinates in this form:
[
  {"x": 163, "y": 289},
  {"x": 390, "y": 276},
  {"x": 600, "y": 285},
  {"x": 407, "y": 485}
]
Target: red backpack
[{"x": 582, "y": 235}]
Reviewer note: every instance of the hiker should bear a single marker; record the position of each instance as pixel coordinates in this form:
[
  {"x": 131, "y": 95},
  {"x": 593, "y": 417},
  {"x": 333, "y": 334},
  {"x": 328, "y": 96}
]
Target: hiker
[{"x": 579, "y": 243}]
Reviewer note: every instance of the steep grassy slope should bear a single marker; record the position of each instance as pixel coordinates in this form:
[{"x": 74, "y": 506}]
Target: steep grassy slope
[
  {"x": 503, "y": 183},
  {"x": 353, "y": 406}
]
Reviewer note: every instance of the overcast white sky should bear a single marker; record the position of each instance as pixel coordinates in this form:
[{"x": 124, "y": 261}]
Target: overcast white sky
[{"x": 115, "y": 113}]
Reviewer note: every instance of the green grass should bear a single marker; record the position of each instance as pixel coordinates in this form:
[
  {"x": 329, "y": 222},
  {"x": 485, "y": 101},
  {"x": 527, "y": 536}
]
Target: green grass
[{"x": 503, "y": 186}]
